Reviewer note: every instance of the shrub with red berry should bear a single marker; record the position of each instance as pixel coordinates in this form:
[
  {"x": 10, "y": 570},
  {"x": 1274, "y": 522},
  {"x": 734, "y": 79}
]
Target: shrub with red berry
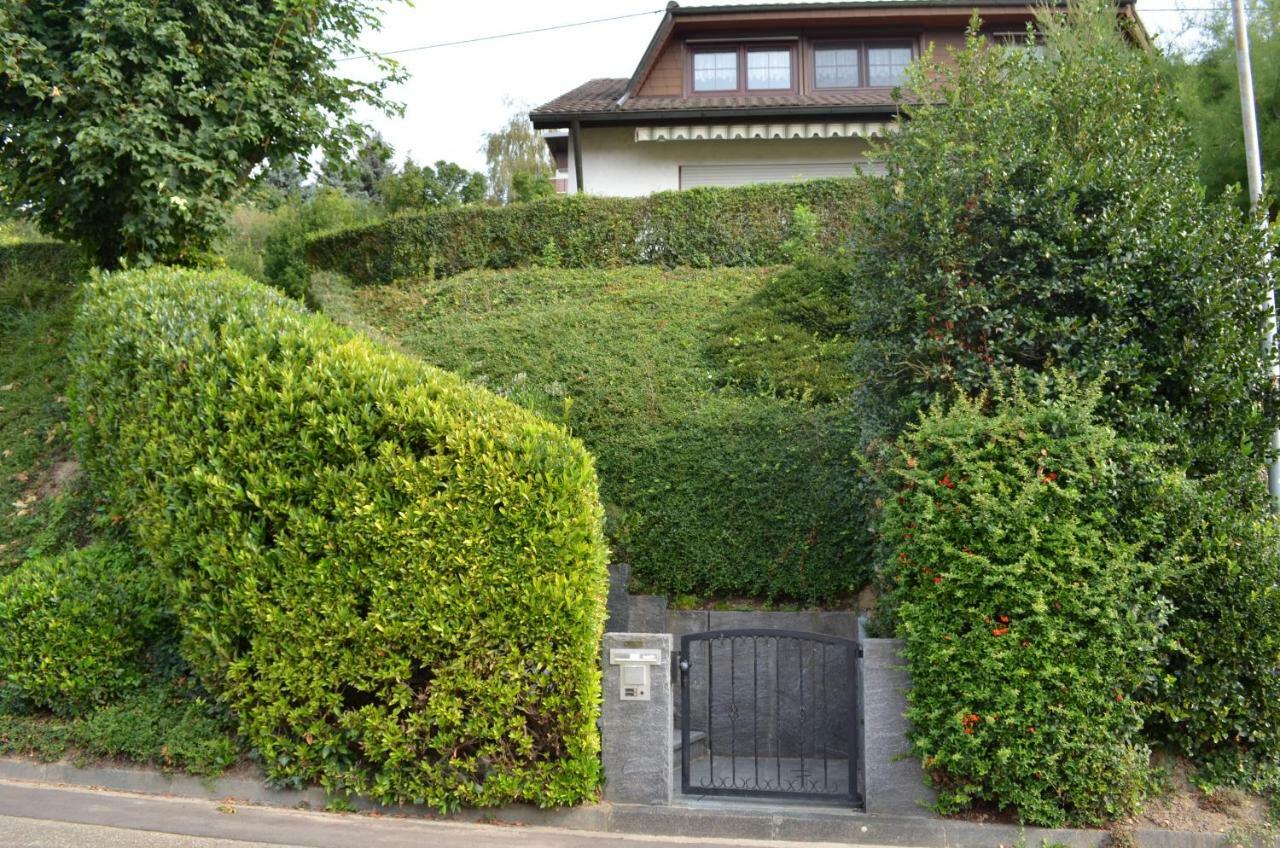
[{"x": 1029, "y": 619}]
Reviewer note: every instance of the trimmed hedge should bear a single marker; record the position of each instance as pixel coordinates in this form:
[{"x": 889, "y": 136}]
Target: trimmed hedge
[
  {"x": 73, "y": 627},
  {"x": 718, "y": 481},
  {"x": 52, "y": 260},
  {"x": 702, "y": 227},
  {"x": 395, "y": 579},
  {"x": 1030, "y": 620}
]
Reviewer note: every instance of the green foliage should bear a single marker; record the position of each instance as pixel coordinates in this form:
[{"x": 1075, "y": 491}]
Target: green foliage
[
  {"x": 361, "y": 173},
  {"x": 169, "y": 722},
  {"x": 1210, "y": 97},
  {"x": 526, "y": 186},
  {"x": 44, "y": 509},
  {"x": 1218, "y": 699},
  {"x": 703, "y": 227},
  {"x": 417, "y": 187},
  {"x": 283, "y": 258},
  {"x": 791, "y": 338},
  {"x": 394, "y": 579},
  {"x": 171, "y": 107},
  {"x": 712, "y": 486},
  {"x": 517, "y": 160},
  {"x": 1030, "y": 620},
  {"x": 75, "y": 626},
  {"x": 802, "y": 235},
  {"x": 1027, "y": 222}
]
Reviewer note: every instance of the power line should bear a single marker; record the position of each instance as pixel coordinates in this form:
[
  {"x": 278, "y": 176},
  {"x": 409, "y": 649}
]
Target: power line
[
  {"x": 509, "y": 34},
  {"x": 656, "y": 12}
]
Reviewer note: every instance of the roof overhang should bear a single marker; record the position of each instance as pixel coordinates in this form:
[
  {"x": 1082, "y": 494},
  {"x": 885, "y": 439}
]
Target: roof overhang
[{"x": 770, "y": 114}]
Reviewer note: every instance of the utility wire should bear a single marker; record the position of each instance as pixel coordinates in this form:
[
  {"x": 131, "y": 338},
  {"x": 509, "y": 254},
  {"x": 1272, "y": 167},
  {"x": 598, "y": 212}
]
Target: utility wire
[
  {"x": 509, "y": 34},
  {"x": 656, "y": 12}
]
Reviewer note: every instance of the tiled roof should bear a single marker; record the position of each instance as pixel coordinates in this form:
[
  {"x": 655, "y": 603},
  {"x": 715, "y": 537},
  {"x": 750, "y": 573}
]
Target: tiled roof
[
  {"x": 598, "y": 95},
  {"x": 601, "y": 95}
]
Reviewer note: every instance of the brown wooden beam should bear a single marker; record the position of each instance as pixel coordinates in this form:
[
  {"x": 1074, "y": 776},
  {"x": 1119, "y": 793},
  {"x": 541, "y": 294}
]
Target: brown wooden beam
[{"x": 575, "y": 137}]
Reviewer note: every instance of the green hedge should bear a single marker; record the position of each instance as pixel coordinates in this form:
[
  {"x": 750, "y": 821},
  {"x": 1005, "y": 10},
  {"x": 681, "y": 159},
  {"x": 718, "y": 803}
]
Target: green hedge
[
  {"x": 1030, "y": 620},
  {"x": 51, "y": 260},
  {"x": 722, "y": 479},
  {"x": 702, "y": 227},
  {"x": 394, "y": 578}
]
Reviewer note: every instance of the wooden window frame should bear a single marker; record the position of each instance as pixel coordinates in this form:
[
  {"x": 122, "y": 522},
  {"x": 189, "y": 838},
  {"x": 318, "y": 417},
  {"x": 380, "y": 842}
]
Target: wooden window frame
[
  {"x": 742, "y": 48},
  {"x": 862, "y": 45}
]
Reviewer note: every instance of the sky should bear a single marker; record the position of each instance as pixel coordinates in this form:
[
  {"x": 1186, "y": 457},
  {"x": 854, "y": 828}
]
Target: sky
[{"x": 455, "y": 94}]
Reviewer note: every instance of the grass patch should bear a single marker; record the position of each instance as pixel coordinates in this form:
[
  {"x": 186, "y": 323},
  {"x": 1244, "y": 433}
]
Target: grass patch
[
  {"x": 726, "y": 466},
  {"x": 44, "y": 504}
]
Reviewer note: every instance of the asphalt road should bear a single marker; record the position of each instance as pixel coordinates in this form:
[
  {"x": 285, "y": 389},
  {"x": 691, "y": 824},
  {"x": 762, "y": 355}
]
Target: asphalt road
[{"x": 42, "y": 816}]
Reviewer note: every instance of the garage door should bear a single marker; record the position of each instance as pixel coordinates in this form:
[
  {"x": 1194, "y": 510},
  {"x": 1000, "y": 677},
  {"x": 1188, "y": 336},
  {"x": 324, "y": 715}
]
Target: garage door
[{"x": 760, "y": 172}]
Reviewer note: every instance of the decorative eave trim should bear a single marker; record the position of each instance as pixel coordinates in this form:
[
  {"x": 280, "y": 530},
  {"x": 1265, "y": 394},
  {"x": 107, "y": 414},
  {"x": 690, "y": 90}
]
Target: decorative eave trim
[{"x": 716, "y": 132}]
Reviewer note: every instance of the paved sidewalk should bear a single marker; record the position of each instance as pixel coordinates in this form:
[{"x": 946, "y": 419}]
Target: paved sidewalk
[{"x": 37, "y": 816}]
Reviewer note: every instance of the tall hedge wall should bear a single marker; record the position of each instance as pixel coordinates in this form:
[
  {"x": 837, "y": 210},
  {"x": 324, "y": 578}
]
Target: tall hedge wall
[
  {"x": 701, "y": 227},
  {"x": 52, "y": 260},
  {"x": 395, "y": 578}
]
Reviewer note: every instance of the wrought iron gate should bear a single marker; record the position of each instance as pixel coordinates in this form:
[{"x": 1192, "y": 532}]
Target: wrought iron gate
[{"x": 773, "y": 713}]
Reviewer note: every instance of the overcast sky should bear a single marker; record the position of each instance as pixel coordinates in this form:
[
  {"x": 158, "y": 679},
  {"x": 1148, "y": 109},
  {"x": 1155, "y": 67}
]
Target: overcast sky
[{"x": 455, "y": 94}]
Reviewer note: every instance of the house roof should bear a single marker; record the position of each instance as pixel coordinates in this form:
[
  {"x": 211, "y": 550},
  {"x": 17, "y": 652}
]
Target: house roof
[
  {"x": 598, "y": 101},
  {"x": 610, "y": 100}
]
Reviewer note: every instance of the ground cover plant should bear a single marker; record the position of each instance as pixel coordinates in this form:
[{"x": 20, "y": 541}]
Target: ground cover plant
[
  {"x": 394, "y": 579},
  {"x": 708, "y": 397}
]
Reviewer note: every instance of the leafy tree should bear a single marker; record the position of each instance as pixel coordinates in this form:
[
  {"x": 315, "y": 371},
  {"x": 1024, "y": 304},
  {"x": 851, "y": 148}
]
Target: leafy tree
[
  {"x": 129, "y": 126},
  {"x": 1028, "y": 223},
  {"x": 1209, "y": 86},
  {"x": 516, "y": 148},
  {"x": 530, "y": 185},
  {"x": 422, "y": 187},
  {"x": 360, "y": 175}
]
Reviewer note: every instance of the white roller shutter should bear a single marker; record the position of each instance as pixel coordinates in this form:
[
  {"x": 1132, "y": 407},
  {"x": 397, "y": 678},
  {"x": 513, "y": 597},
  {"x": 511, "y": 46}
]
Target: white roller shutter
[{"x": 692, "y": 176}]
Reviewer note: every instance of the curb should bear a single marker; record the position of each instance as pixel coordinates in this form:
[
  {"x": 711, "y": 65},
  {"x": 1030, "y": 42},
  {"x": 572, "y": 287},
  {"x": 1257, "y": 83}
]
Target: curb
[{"x": 693, "y": 818}]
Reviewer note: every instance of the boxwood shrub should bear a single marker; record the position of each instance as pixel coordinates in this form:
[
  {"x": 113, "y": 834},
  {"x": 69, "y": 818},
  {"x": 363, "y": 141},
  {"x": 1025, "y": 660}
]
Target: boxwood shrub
[
  {"x": 1029, "y": 619},
  {"x": 73, "y": 628},
  {"x": 702, "y": 227},
  {"x": 394, "y": 578}
]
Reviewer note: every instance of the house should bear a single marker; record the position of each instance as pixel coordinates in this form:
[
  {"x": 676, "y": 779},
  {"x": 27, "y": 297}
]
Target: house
[{"x": 735, "y": 94}]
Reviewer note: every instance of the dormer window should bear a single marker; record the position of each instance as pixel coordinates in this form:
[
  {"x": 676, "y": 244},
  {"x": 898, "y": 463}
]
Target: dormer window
[
  {"x": 715, "y": 70},
  {"x": 887, "y": 65},
  {"x": 839, "y": 65},
  {"x": 742, "y": 68},
  {"x": 768, "y": 69},
  {"x": 836, "y": 66}
]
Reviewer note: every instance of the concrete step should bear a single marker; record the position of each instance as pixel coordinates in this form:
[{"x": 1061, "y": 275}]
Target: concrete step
[{"x": 697, "y": 744}]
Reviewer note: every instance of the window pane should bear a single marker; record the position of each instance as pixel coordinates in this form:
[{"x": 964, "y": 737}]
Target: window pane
[
  {"x": 835, "y": 67},
  {"x": 886, "y": 65},
  {"x": 715, "y": 71},
  {"x": 769, "y": 69}
]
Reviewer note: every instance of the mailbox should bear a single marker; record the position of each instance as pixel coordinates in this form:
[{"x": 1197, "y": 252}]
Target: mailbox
[{"x": 633, "y": 676}]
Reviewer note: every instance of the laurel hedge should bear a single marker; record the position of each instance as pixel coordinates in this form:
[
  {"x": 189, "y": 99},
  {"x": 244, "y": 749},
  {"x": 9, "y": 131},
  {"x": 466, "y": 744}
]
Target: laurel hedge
[
  {"x": 394, "y": 578},
  {"x": 703, "y": 227}
]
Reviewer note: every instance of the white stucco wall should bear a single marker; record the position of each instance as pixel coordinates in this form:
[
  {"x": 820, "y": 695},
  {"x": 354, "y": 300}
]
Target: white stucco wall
[{"x": 615, "y": 164}]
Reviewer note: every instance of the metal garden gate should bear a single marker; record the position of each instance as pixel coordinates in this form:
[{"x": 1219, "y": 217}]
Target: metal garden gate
[{"x": 772, "y": 713}]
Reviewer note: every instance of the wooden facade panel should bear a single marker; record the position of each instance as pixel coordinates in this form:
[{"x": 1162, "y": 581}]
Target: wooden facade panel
[
  {"x": 667, "y": 77},
  {"x": 945, "y": 43}
]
